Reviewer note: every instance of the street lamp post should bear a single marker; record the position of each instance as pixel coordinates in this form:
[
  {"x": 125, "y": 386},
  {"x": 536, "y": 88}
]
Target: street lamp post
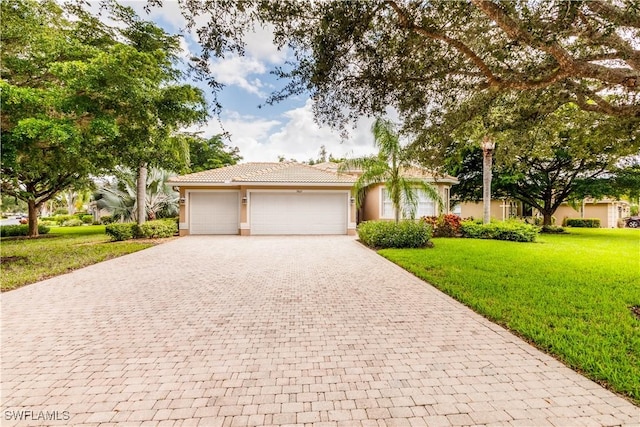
[{"x": 487, "y": 154}]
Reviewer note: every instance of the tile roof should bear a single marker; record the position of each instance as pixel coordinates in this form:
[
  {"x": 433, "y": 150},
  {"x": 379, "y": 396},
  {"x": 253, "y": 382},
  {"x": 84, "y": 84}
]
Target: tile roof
[
  {"x": 421, "y": 173},
  {"x": 410, "y": 172},
  {"x": 282, "y": 172}
]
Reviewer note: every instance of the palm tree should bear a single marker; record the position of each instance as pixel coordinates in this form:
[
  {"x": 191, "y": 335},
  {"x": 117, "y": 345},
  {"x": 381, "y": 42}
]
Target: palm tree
[
  {"x": 388, "y": 167},
  {"x": 120, "y": 197}
]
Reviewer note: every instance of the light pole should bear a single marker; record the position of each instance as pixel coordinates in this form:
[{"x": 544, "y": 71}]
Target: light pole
[{"x": 487, "y": 154}]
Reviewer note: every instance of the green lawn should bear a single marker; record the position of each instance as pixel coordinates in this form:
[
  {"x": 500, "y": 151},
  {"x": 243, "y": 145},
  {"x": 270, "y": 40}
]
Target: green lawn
[
  {"x": 64, "y": 249},
  {"x": 571, "y": 295}
]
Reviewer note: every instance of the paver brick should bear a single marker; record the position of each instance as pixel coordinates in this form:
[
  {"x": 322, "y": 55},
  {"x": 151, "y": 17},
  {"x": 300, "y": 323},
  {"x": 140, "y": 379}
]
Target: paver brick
[{"x": 228, "y": 331}]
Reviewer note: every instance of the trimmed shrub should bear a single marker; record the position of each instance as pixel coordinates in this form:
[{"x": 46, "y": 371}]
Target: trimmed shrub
[
  {"x": 583, "y": 222},
  {"x": 86, "y": 219},
  {"x": 508, "y": 230},
  {"x": 122, "y": 231},
  {"x": 388, "y": 234},
  {"x": 73, "y": 223},
  {"x": 552, "y": 229},
  {"x": 159, "y": 228},
  {"x": 444, "y": 225},
  {"x": 20, "y": 230}
]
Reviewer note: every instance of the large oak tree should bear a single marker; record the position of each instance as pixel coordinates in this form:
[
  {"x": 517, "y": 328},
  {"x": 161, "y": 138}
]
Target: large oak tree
[
  {"x": 439, "y": 60},
  {"x": 569, "y": 154}
]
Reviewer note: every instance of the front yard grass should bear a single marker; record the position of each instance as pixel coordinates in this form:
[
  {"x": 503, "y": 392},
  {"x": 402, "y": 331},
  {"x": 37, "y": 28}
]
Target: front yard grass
[
  {"x": 572, "y": 295},
  {"x": 64, "y": 249}
]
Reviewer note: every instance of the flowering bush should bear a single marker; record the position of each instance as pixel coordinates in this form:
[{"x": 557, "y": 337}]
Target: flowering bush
[{"x": 444, "y": 225}]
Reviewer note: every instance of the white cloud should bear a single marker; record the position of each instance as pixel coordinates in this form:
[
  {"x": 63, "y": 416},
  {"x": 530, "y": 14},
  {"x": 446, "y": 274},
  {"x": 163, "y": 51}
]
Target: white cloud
[
  {"x": 260, "y": 46},
  {"x": 235, "y": 71},
  {"x": 297, "y": 136},
  {"x": 301, "y": 137}
]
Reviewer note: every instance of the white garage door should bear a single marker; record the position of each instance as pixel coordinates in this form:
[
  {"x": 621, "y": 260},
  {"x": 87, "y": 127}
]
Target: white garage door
[
  {"x": 299, "y": 213},
  {"x": 214, "y": 213}
]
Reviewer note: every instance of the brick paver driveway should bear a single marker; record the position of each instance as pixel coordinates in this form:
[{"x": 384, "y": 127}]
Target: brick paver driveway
[{"x": 236, "y": 331}]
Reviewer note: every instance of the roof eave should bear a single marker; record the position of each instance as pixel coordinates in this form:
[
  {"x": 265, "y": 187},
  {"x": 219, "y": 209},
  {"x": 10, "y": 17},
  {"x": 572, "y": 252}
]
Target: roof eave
[{"x": 258, "y": 184}]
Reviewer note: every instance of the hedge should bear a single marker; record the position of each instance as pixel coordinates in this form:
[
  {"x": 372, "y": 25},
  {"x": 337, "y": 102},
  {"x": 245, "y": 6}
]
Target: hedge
[
  {"x": 122, "y": 231},
  {"x": 388, "y": 234},
  {"x": 508, "y": 230},
  {"x": 20, "y": 230},
  {"x": 583, "y": 222},
  {"x": 160, "y": 228}
]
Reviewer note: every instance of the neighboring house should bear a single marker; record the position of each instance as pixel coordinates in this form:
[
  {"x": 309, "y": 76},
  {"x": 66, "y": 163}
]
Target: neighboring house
[
  {"x": 609, "y": 211},
  {"x": 501, "y": 209},
  {"x": 279, "y": 198}
]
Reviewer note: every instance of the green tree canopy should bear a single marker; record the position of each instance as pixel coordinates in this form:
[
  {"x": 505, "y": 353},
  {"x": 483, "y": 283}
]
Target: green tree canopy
[
  {"x": 439, "y": 61},
  {"x": 79, "y": 97},
  {"x": 53, "y": 136},
  {"x": 210, "y": 153},
  {"x": 567, "y": 154}
]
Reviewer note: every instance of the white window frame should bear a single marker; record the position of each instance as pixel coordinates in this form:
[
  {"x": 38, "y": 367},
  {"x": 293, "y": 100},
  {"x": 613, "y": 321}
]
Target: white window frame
[
  {"x": 426, "y": 205},
  {"x": 386, "y": 206}
]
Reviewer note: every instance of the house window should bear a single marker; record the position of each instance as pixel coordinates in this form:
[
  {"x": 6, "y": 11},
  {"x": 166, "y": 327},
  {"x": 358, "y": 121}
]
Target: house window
[
  {"x": 387, "y": 205},
  {"x": 425, "y": 206}
]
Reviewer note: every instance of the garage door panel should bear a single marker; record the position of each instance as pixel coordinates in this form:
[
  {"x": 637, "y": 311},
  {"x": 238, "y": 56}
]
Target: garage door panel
[
  {"x": 214, "y": 213},
  {"x": 298, "y": 213}
]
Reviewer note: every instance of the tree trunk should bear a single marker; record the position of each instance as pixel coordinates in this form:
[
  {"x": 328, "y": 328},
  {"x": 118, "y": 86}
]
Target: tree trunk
[
  {"x": 141, "y": 193},
  {"x": 33, "y": 218},
  {"x": 70, "y": 198},
  {"x": 547, "y": 219},
  {"x": 486, "y": 187}
]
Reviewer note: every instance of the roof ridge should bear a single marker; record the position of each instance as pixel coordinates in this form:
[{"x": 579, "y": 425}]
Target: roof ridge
[{"x": 272, "y": 166}]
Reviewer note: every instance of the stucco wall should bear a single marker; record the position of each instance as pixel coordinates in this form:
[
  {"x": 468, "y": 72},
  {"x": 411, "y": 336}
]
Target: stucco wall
[
  {"x": 474, "y": 210},
  {"x": 372, "y": 208}
]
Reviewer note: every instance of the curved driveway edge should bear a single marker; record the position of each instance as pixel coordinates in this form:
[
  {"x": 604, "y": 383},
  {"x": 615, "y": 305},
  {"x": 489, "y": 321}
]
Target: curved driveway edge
[{"x": 242, "y": 331}]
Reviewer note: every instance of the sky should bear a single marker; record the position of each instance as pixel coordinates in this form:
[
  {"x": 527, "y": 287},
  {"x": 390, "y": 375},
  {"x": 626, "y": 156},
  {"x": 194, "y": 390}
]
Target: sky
[{"x": 262, "y": 134}]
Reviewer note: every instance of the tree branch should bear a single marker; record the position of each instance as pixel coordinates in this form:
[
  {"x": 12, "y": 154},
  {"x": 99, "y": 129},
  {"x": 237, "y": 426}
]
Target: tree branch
[
  {"x": 405, "y": 22},
  {"x": 610, "y": 12}
]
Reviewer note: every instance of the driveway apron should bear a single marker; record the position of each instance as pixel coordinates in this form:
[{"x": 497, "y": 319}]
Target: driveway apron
[{"x": 242, "y": 331}]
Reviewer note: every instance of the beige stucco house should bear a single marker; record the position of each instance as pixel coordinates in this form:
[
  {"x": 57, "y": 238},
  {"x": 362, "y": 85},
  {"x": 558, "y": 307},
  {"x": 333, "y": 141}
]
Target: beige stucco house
[
  {"x": 609, "y": 211},
  {"x": 284, "y": 198}
]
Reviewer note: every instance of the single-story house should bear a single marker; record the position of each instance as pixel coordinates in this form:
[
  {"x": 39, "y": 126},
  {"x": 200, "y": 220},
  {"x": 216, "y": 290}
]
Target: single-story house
[
  {"x": 609, "y": 211},
  {"x": 283, "y": 198}
]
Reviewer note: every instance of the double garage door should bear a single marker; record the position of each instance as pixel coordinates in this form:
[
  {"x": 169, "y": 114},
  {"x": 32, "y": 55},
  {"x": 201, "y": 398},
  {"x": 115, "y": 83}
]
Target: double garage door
[{"x": 308, "y": 212}]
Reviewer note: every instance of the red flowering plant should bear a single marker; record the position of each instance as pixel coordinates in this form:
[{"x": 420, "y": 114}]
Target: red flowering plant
[{"x": 444, "y": 225}]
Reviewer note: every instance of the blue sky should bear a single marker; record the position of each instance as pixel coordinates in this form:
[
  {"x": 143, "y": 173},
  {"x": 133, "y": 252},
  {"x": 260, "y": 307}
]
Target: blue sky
[{"x": 262, "y": 134}]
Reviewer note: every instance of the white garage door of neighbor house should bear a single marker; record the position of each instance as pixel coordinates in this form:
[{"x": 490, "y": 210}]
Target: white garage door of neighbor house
[
  {"x": 214, "y": 212},
  {"x": 299, "y": 213}
]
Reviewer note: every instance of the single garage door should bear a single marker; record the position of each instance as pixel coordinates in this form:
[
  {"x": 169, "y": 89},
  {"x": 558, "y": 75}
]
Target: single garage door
[
  {"x": 299, "y": 213},
  {"x": 214, "y": 212}
]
